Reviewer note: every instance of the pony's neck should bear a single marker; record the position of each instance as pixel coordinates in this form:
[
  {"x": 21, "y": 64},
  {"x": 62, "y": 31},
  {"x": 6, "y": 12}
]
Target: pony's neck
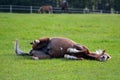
[{"x": 93, "y": 56}]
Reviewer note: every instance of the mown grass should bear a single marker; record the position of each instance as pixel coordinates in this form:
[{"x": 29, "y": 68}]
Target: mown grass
[{"x": 96, "y": 31}]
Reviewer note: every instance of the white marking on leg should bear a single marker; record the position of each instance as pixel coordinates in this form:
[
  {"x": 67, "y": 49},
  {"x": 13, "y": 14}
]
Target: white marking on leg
[
  {"x": 35, "y": 58},
  {"x": 72, "y": 50},
  {"x": 61, "y": 48},
  {"x": 37, "y": 41},
  {"x": 70, "y": 57}
]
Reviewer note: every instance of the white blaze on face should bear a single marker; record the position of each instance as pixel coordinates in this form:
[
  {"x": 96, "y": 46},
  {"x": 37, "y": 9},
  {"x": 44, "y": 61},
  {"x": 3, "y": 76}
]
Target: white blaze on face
[
  {"x": 104, "y": 56},
  {"x": 61, "y": 48}
]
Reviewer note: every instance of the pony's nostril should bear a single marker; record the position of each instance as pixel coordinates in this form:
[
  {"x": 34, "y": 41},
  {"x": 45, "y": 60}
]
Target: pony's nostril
[{"x": 108, "y": 57}]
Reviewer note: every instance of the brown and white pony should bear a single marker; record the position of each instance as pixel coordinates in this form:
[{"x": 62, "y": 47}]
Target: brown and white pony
[
  {"x": 45, "y": 9},
  {"x": 45, "y": 48}
]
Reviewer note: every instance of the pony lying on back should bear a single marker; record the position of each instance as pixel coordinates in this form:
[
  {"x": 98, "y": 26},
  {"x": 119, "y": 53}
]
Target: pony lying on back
[{"x": 45, "y": 48}]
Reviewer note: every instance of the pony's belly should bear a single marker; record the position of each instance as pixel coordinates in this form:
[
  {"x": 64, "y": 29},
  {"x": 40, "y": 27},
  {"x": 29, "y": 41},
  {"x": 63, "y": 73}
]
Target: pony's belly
[{"x": 59, "y": 46}]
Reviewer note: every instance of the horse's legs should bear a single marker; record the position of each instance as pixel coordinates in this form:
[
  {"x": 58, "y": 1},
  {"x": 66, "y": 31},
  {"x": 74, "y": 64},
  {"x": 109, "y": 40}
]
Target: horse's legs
[
  {"x": 77, "y": 52},
  {"x": 36, "y": 55},
  {"x": 50, "y": 11},
  {"x": 67, "y": 56},
  {"x": 78, "y": 49}
]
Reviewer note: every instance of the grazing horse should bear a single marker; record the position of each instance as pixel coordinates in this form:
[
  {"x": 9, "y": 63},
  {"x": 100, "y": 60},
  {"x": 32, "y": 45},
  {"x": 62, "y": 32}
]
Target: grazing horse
[
  {"x": 45, "y": 9},
  {"x": 45, "y": 48}
]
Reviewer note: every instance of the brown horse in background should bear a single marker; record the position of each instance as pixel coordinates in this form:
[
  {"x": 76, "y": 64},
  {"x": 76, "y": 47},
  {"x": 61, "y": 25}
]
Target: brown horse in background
[
  {"x": 45, "y": 48},
  {"x": 45, "y": 9}
]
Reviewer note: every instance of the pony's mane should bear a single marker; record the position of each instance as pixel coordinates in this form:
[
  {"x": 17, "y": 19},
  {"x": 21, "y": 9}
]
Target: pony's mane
[{"x": 99, "y": 51}]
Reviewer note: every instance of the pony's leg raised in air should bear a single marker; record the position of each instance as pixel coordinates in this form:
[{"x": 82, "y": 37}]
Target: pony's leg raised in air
[{"x": 36, "y": 55}]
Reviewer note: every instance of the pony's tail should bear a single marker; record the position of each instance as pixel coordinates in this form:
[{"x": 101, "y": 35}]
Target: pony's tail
[{"x": 18, "y": 51}]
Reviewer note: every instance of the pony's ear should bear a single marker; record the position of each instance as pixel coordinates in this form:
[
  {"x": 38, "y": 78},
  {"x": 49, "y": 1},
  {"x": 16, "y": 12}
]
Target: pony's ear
[
  {"x": 103, "y": 52},
  {"x": 31, "y": 43}
]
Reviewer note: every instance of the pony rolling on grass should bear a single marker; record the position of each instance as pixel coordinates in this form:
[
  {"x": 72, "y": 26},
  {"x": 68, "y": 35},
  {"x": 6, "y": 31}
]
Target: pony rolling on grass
[{"x": 45, "y": 48}]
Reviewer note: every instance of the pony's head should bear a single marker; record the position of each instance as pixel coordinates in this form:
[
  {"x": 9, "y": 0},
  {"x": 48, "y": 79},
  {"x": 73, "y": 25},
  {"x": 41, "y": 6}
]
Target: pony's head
[{"x": 102, "y": 55}]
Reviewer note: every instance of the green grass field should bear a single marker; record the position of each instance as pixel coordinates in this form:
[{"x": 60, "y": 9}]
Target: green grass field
[{"x": 96, "y": 31}]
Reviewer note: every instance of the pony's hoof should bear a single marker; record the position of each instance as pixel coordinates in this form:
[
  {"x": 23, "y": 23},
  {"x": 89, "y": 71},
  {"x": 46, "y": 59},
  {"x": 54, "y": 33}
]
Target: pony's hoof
[{"x": 35, "y": 58}]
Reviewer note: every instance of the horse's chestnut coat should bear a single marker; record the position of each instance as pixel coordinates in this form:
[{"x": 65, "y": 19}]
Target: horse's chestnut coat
[
  {"x": 44, "y": 48},
  {"x": 56, "y": 47}
]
